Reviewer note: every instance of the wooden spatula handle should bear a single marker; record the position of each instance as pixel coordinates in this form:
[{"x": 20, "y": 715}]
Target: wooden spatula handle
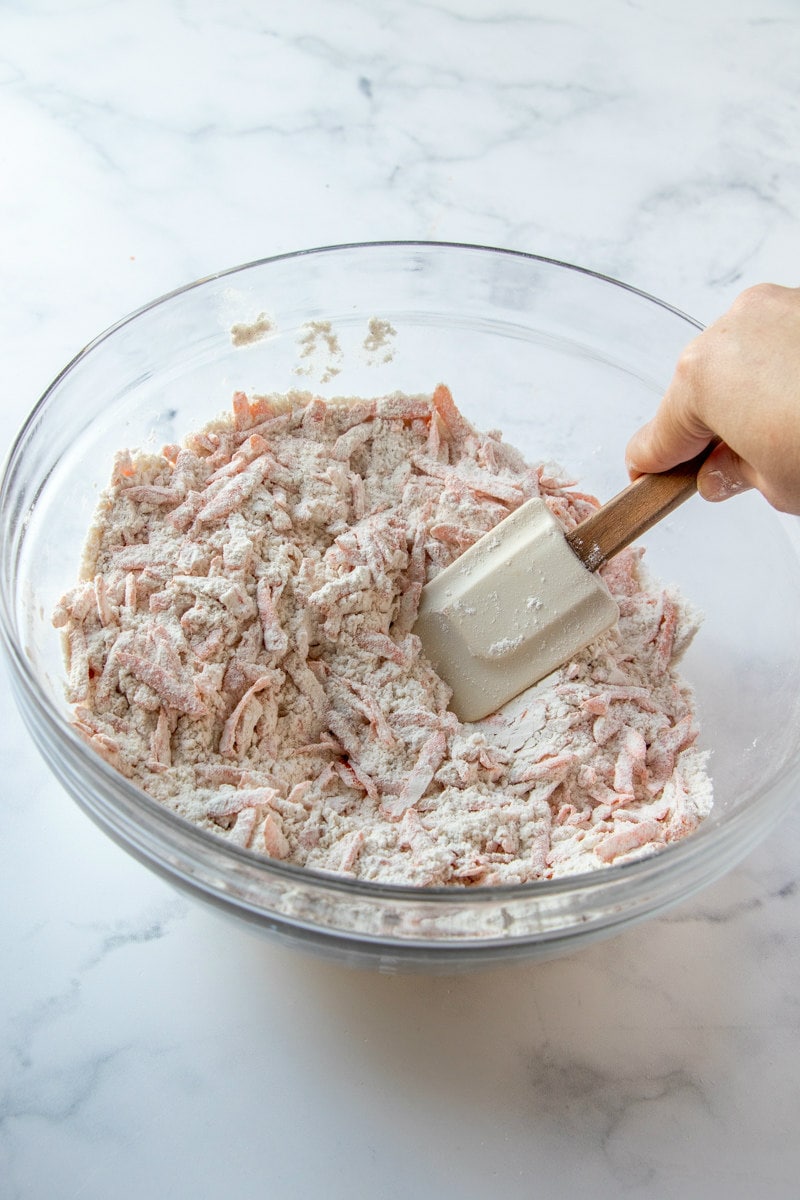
[{"x": 634, "y": 510}]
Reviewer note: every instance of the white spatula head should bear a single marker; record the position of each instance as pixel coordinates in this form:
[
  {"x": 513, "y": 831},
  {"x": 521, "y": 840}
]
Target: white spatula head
[{"x": 511, "y": 609}]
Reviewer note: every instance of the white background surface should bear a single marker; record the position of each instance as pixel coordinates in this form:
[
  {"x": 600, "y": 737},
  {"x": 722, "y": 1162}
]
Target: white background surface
[{"x": 146, "y": 1047}]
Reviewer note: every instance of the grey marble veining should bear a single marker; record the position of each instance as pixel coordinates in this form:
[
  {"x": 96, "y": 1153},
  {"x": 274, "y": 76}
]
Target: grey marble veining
[{"x": 149, "y": 1049}]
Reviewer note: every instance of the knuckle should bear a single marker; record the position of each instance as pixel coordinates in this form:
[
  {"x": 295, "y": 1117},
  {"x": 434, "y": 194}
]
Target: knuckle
[
  {"x": 758, "y": 295},
  {"x": 751, "y": 295},
  {"x": 688, "y": 367},
  {"x": 686, "y": 410}
]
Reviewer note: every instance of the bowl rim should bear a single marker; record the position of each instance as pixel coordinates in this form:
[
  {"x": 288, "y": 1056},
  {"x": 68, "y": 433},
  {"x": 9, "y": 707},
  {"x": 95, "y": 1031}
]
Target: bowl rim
[
  {"x": 327, "y": 249},
  {"x": 184, "y": 830}
]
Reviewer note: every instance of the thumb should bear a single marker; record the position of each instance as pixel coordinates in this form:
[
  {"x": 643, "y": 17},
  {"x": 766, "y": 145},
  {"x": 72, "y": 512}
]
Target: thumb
[{"x": 724, "y": 474}]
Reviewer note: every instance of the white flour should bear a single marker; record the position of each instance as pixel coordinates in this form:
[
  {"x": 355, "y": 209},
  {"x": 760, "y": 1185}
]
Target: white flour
[
  {"x": 320, "y": 352},
  {"x": 240, "y": 647},
  {"x": 244, "y": 334},
  {"x": 378, "y": 342}
]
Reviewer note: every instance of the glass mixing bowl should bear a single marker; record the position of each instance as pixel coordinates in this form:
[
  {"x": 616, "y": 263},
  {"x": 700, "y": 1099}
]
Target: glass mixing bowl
[{"x": 567, "y": 363}]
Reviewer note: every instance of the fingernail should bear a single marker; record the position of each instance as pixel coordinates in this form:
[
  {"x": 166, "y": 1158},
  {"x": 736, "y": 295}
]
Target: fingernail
[{"x": 714, "y": 485}]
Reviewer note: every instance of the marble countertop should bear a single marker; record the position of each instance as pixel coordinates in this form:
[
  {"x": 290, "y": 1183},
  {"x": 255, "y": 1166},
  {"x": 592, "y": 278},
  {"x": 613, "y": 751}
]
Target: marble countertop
[{"x": 146, "y": 1047}]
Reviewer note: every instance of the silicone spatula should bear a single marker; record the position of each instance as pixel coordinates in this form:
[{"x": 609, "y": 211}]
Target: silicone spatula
[{"x": 525, "y": 598}]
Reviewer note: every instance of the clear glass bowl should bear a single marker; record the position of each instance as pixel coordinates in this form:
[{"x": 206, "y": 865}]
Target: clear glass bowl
[{"x": 567, "y": 364}]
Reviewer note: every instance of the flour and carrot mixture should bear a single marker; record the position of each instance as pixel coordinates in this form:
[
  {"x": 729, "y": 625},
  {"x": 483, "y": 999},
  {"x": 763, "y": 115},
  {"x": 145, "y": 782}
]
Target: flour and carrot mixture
[{"x": 240, "y": 646}]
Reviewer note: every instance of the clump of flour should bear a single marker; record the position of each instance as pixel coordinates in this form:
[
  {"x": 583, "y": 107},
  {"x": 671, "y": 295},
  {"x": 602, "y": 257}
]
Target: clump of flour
[
  {"x": 320, "y": 351},
  {"x": 240, "y": 645},
  {"x": 378, "y": 343},
  {"x": 246, "y": 333}
]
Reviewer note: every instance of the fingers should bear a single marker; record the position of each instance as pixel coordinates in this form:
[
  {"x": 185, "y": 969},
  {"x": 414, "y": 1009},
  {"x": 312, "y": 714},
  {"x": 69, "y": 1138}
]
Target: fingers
[
  {"x": 661, "y": 444},
  {"x": 676, "y": 433},
  {"x": 738, "y": 381}
]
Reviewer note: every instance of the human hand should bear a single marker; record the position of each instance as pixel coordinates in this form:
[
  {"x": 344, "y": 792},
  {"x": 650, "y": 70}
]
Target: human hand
[{"x": 739, "y": 381}]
